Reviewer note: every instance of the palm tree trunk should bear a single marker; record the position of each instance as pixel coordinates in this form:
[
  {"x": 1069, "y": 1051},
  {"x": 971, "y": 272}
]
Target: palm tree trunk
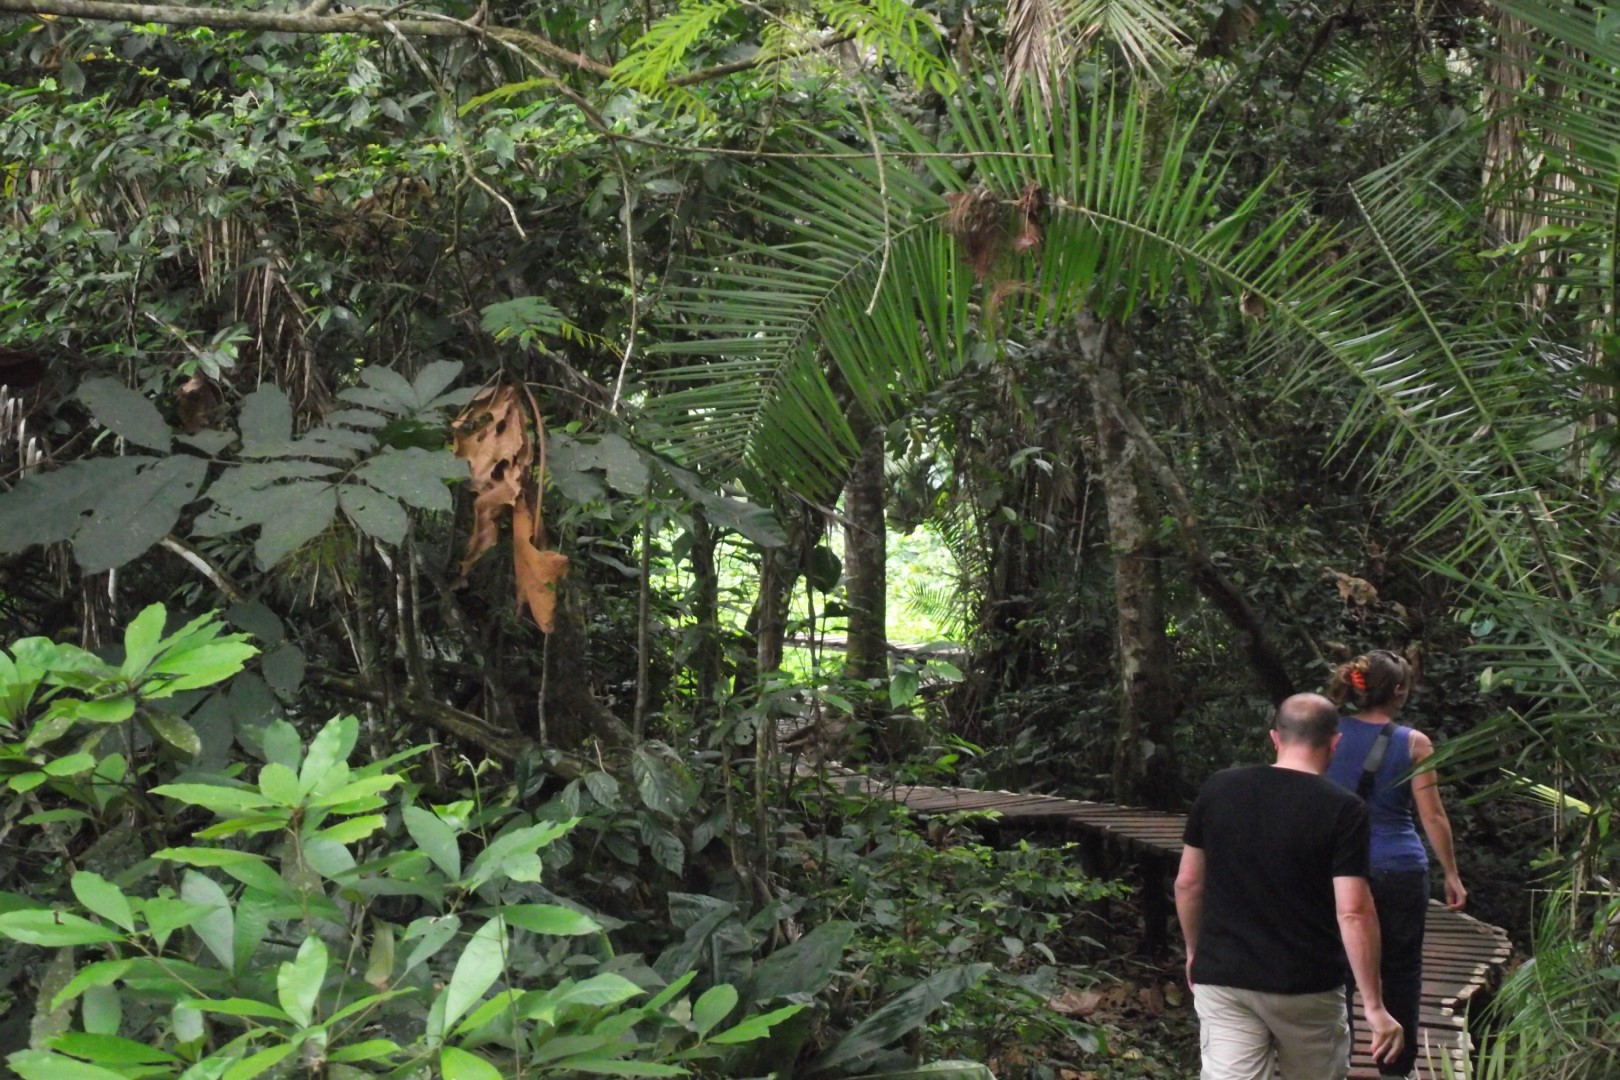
[
  {"x": 1143, "y": 770},
  {"x": 865, "y": 569}
]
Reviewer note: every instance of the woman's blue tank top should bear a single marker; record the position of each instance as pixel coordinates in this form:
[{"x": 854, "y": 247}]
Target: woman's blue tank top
[{"x": 1395, "y": 841}]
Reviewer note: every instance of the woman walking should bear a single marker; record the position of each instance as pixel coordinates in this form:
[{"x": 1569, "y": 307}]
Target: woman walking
[{"x": 1375, "y": 757}]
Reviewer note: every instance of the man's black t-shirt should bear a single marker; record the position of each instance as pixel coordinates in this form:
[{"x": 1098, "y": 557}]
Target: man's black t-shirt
[{"x": 1274, "y": 839}]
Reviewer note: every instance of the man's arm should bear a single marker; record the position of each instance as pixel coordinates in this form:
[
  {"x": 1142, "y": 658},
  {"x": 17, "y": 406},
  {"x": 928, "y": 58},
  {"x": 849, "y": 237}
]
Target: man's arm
[
  {"x": 1358, "y": 926},
  {"x": 1190, "y": 899}
]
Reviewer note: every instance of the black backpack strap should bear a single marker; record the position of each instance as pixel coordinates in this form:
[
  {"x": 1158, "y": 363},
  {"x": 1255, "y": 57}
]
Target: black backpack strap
[{"x": 1375, "y": 759}]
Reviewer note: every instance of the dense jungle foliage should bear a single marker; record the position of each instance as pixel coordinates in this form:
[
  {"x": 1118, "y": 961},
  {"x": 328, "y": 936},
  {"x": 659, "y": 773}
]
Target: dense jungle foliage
[{"x": 462, "y": 470}]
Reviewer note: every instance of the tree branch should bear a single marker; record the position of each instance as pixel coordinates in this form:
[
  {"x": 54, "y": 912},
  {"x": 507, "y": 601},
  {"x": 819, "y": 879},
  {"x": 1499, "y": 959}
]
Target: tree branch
[
  {"x": 315, "y": 19},
  {"x": 452, "y": 721}
]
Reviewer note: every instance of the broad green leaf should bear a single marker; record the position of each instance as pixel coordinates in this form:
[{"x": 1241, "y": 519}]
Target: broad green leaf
[
  {"x": 279, "y": 784},
  {"x": 714, "y": 1006},
  {"x": 110, "y": 1049},
  {"x": 298, "y": 981},
  {"x": 481, "y": 963},
  {"x": 369, "y": 1050},
  {"x": 414, "y": 476},
  {"x": 903, "y": 688},
  {"x": 457, "y": 1064},
  {"x": 54, "y": 929},
  {"x": 552, "y": 919},
  {"x": 616, "y": 1067},
  {"x": 165, "y": 914},
  {"x": 282, "y": 745},
  {"x": 755, "y": 1027},
  {"x": 430, "y": 934},
  {"x": 129, "y": 520},
  {"x": 347, "y": 832},
  {"x": 54, "y": 817},
  {"x": 174, "y": 731},
  {"x": 331, "y": 746},
  {"x": 604, "y": 788},
  {"x": 607, "y": 988},
  {"x": 295, "y": 514},
  {"x": 376, "y": 514},
  {"x": 102, "y": 897},
  {"x": 904, "y": 1014},
  {"x": 199, "y": 664},
  {"x": 284, "y": 669},
  {"x": 100, "y": 973},
  {"x": 43, "y": 1065},
  {"x": 126, "y": 412},
  {"x": 437, "y": 841},
  {"x": 265, "y": 421},
  {"x": 217, "y": 929},
  {"x": 244, "y": 866},
  {"x": 255, "y": 1064},
  {"x": 48, "y": 508},
  {"x": 513, "y": 852},
  {"x": 660, "y": 788},
  {"x": 70, "y": 765},
  {"x": 380, "y": 962},
  {"x": 215, "y": 797},
  {"x": 141, "y": 639},
  {"x": 102, "y": 1011},
  {"x": 356, "y": 790},
  {"x": 258, "y": 1010},
  {"x": 487, "y": 1013},
  {"x": 804, "y": 967},
  {"x": 110, "y": 710}
]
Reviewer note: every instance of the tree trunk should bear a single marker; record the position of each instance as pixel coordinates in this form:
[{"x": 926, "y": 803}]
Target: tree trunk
[
  {"x": 1144, "y": 770},
  {"x": 573, "y": 715},
  {"x": 865, "y": 569},
  {"x": 707, "y": 658}
]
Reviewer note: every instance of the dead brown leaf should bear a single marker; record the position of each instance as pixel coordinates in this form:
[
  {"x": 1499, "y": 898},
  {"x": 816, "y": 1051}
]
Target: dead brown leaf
[
  {"x": 1079, "y": 1003},
  {"x": 537, "y": 570},
  {"x": 1353, "y": 590},
  {"x": 492, "y": 437}
]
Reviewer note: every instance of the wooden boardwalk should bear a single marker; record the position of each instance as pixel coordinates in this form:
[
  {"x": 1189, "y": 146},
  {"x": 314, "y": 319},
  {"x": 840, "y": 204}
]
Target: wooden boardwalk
[{"x": 1462, "y": 957}]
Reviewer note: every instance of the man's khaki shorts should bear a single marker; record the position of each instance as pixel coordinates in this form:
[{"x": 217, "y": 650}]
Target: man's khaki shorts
[{"x": 1244, "y": 1033}]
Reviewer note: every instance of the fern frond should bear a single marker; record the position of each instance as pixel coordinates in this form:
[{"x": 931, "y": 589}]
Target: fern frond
[
  {"x": 664, "y": 47},
  {"x": 896, "y": 32}
]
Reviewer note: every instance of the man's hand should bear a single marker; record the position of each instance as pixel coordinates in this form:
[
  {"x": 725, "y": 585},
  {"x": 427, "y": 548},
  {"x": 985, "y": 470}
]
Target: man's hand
[
  {"x": 1189, "y": 969},
  {"x": 1387, "y": 1036},
  {"x": 1456, "y": 895}
]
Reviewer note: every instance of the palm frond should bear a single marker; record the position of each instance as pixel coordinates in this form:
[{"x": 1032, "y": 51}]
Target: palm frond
[{"x": 871, "y": 301}]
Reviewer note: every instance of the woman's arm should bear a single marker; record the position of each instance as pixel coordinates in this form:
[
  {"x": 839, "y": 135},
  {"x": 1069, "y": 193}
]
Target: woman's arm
[{"x": 1426, "y": 797}]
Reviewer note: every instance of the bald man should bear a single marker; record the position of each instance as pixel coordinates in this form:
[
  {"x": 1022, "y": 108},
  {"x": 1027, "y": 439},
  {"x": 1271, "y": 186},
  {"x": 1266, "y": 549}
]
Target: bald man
[{"x": 1272, "y": 896}]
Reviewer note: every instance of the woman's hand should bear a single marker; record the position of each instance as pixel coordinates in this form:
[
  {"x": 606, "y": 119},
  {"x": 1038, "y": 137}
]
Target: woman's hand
[{"x": 1456, "y": 895}]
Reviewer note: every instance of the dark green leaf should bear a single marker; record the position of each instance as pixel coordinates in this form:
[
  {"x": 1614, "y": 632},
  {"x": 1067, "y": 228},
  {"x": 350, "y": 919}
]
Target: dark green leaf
[
  {"x": 293, "y": 515},
  {"x": 908, "y": 1011},
  {"x": 48, "y": 508},
  {"x": 133, "y": 517},
  {"x": 804, "y": 967},
  {"x": 414, "y": 476},
  {"x": 126, "y": 413},
  {"x": 376, "y": 514}
]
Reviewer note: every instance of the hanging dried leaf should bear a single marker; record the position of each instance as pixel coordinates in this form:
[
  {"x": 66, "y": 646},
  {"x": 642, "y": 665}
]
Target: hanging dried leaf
[
  {"x": 976, "y": 220},
  {"x": 537, "y": 570},
  {"x": 1030, "y": 206},
  {"x": 492, "y": 437}
]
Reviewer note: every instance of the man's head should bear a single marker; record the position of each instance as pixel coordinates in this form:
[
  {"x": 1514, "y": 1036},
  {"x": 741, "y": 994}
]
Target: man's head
[{"x": 1305, "y": 731}]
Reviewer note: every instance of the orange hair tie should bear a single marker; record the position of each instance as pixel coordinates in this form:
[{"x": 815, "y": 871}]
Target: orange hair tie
[{"x": 1358, "y": 679}]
